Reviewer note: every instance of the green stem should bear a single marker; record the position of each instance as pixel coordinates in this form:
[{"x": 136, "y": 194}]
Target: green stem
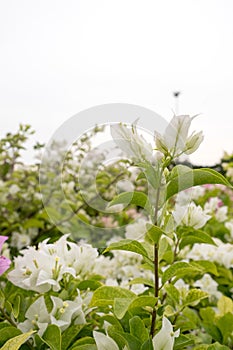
[
  {"x": 156, "y": 263},
  {"x": 156, "y": 289}
]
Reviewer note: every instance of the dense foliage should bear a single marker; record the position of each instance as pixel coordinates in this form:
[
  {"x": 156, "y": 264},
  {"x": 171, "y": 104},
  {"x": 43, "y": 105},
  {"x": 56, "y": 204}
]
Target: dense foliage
[{"x": 154, "y": 272}]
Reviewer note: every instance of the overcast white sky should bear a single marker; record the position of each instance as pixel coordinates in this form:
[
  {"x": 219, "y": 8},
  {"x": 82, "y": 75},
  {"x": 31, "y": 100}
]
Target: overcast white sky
[{"x": 59, "y": 57}]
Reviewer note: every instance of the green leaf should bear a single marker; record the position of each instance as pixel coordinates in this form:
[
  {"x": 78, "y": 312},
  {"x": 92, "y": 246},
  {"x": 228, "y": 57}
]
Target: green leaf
[
  {"x": 33, "y": 223},
  {"x": 178, "y": 270},
  {"x": 126, "y": 339},
  {"x": 48, "y": 302},
  {"x": 52, "y": 337},
  {"x": 138, "y": 329},
  {"x": 122, "y": 305},
  {"x": 16, "y": 306},
  {"x": 165, "y": 251},
  {"x": 217, "y": 346},
  {"x": 154, "y": 233},
  {"x": 225, "y": 324},
  {"x": 128, "y": 245},
  {"x": 138, "y": 198},
  {"x": 8, "y": 333},
  {"x": 196, "y": 236},
  {"x": 105, "y": 295},
  {"x": 16, "y": 342},
  {"x": 186, "y": 178},
  {"x": 173, "y": 293},
  {"x": 91, "y": 284},
  {"x": 70, "y": 335},
  {"x": 208, "y": 316},
  {"x": 82, "y": 341},
  {"x": 225, "y": 305},
  {"x": 194, "y": 296},
  {"x": 206, "y": 266},
  {"x": 113, "y": 321},
  {"x": 147, "y": 345},
  {"x": 151, "y": 175},
  {"x": 141, "y": 280},
  {"x": 182, "y": 341},
  {"x": 85, "y": 347}
]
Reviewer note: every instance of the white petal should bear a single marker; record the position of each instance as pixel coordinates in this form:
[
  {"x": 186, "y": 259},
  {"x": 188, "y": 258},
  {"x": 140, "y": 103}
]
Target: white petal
[{"x": 103, "y": 342}]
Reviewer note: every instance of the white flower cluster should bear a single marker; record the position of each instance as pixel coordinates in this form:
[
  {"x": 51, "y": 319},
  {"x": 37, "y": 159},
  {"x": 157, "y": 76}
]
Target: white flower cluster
[
  {"x": 193, "y": 193},
  {"x": 175, "y": 140},
  {"x": 207, "y": 284},
  {"x": 190, "y": 215},
  {"x": 215, "y": 208},
  {"x": 62, "y": 313},
  {"x": 222, "y": 253},
  {"x": 43, "y": 268}
]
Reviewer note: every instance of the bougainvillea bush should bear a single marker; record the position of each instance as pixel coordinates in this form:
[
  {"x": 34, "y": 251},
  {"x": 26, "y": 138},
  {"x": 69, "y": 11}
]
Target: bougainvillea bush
[{"x": 164, "y": 282}]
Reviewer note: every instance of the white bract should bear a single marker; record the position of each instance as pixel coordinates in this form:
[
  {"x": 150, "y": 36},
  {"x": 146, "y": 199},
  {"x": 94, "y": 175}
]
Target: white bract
[
  {"x": 62, "y": 314},
  {"x": 207, "y": 284},
  {"x": 164, "y": 339},
  {"x": 43, "y": 268},
  {"x": 222, "y": 253},
  {"x": 104, "y": 342},
  {"x": 136, "y": 230},
  {"x": 190, "y": 215},
  {"x": 20, "y": 240},
  {"x": 214, "y": 207},
  {"x": 193, "y": 193},
  {"x": 133, "y": 144},
  {"x": 175, "y": 140}
]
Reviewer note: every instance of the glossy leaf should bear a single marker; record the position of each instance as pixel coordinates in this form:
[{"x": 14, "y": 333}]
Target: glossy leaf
[
  {"x": 128, "y": 245},
  {"x": 187, "y": 178},
  {"x": 138, "y": 198},
  {"x": 178, "y": 270},
  {"x": 105, "y": 295},
  {"x": 16, "y": 342}
]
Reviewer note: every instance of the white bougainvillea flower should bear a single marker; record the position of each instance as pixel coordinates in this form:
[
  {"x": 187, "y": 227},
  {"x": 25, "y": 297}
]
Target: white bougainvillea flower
[
  {"x": 62, "y": 314},
  {"x": 214, "y": 206},
  {"x": 164, "y": 339},
  {"x": 133, "y": 144},
  {"x": 190, "y": 215},
  {"x": 175, "y": 140},
  {"x": 136, "y": 230},
  {"x": 104, "y": 342},
  {"x": 42, "y": 269}
]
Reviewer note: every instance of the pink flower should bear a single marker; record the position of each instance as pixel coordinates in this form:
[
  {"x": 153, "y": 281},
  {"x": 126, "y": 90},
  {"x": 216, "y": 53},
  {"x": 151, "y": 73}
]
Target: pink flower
[{"x": 4, "y": 262}]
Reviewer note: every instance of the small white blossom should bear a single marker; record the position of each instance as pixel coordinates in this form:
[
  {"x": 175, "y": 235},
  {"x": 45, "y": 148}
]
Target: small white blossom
[
  {"x": 104, "y": 342},
  {"x": 222, "y": 253},
  {"x": 62, "y": 314},
  {"x": 207, "y": 284},
  {"x": 133, "y": 144},
  {"x": 191, "y": 215},
  {"x": 13, "y": 189},
  {"x": 193, "y": 193},
  {"x": 20, "y": 240},
  {"x": 136, "y": 230},
  {"x": 164, "y": 339},
  {"x": 43, "y": 268},
  {"x": 214, "y": 207},
  {"x": 175, "y": 140}
]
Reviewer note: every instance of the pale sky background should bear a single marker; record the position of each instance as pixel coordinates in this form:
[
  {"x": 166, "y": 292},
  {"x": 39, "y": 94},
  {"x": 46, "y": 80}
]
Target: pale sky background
[{"x": 59, "y": 57}]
